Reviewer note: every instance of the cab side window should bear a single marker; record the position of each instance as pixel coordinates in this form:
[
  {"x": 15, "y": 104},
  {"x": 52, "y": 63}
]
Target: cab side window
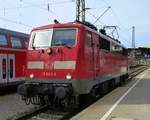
[
  {"x": 89, "y": 39},
  {"x": 104, "y": 44}
]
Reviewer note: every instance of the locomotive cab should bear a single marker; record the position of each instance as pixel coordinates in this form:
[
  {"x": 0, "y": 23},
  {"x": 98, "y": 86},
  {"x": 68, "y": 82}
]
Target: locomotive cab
[{"x": 52, "y": 53}]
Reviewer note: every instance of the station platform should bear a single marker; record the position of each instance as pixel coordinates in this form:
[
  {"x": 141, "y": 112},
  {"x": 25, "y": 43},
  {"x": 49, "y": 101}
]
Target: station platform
[{"x": 128, "y": 102}]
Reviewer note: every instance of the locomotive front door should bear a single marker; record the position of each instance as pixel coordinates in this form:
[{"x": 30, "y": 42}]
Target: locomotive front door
[
  {"x": 7, "y": 67},
  {"x": 3, "y": 68}
]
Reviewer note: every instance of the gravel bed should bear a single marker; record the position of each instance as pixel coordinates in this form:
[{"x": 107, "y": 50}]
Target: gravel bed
[{"x": 11, "y": 105}]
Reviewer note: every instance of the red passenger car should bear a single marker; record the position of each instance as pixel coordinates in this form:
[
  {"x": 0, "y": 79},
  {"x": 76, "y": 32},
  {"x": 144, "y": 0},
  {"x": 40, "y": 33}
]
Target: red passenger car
[
  {"x": 69, "y": 61},
  {"x": 13, "y": 46}
]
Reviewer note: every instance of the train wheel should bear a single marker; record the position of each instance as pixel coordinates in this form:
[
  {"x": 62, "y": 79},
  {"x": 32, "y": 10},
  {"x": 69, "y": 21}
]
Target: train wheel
[
  {"x": 111, "y": 84},
  {"x": 85, "y": 99},
  {"x": 123, "y": 79},
  {"x": 105, "y": 88},
  {"x": 95, "y": 92}
]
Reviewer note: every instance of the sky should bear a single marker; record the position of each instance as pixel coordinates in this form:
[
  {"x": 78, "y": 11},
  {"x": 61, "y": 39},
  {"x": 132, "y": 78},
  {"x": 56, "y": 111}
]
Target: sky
[{"x": 23, "y": 15}]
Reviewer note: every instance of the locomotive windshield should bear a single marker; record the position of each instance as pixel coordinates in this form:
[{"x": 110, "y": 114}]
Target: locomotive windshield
[{"x": 53, "y": 37}]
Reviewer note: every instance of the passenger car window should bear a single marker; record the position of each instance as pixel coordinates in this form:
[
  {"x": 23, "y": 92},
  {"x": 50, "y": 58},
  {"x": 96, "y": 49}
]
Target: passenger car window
[
  {"x": 16, "y": 43},
  {"x": 3, "y": 40}
]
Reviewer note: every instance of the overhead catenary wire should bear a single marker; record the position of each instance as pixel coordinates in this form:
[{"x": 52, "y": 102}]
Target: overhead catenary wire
[
  {"x": 106, "y": 2},
  {"x": 48, "y": 7},
  {"x": 30, "y": 5},
  {"x": 114, "y": 14},
  {"x": 118, "y": 21},
  {"x": 125, "y": 40},
  {"x": 16, "y": 22},
  {"x": 94, "y": 16},
  {"x": 97, "y": 19},
  {"x": 22, "y": 5},
  {"x": 20, "y": 15},
  {"x": 102, "y": 15}
]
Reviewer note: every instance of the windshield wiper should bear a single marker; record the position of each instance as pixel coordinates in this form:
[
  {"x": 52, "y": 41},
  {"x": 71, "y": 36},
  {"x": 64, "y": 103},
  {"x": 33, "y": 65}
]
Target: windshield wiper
[
  {"x": 41, "y": 47},
  {"x": 62, "y": 44},
  {"x": 33, "y": 42}
]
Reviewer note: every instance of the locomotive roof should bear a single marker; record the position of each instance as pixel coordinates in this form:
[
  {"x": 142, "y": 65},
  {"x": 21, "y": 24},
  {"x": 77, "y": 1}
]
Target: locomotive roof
[
  {"x": 58, "y": 26},
  {"x": 79, "y": 25},
  {"x": 111, "y": 39},
  {"x": 107, "y": 37},
  {"x": 13, "y": 33}
]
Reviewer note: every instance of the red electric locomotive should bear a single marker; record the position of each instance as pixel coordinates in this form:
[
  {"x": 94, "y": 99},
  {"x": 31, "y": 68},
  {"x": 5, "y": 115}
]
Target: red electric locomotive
[
  {"x": 68, "y": 61},
  {"x": 13, "y": 46}
]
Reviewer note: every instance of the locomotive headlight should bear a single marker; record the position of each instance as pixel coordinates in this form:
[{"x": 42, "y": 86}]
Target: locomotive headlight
[
  {"x": 68, "y": 77},
  {"x": 31, "y": 76},
  {"x": 49, "y": 51}
]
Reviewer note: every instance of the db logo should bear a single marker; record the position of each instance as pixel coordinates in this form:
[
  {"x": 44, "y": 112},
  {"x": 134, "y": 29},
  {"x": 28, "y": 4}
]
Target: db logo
[{"x": 49, "y": 65}]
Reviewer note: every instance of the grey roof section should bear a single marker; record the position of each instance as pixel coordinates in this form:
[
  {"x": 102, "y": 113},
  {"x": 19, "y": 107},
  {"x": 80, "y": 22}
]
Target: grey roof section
[
  {"x": 112, "y": 40},
  {"x": 13, "y": 33}
]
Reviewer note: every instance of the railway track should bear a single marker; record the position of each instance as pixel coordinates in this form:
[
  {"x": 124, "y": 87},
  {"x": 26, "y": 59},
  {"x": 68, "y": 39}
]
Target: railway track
[
  {"x": 27, "y": 114},
  {"x": 49, "y": 115},
  {"x": 45, "y": 113},
  {"x": 136, "y": 71}
]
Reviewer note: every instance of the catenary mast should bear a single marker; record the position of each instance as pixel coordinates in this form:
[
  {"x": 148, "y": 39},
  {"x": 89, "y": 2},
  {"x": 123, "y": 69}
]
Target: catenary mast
[
  {"x": 80, "y": 10},
  {"x": 133, "y": 40}
]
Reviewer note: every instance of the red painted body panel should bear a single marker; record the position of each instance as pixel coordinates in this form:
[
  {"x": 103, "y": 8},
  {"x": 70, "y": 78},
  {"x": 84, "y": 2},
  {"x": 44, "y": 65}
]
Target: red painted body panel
[
  {"x": 20, "y": 61},
  {"x": 90, "y": 62}
]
